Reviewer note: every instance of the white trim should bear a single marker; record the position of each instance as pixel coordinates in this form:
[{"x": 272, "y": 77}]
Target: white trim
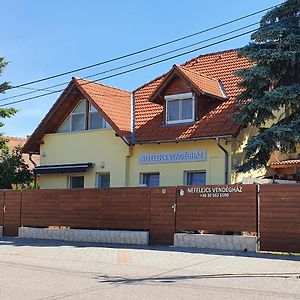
[{"x": 179, "y": 96}]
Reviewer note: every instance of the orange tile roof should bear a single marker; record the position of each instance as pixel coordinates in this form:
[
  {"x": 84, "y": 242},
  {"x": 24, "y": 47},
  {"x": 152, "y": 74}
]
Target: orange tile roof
[
  {"x": 17, "y": 141},
  {"x": 204, "y": 83},
  {"x": 213, "y": 74},
  {"x": 221, "y": 66},
  {"x": 114, "y": 103},
  {"x": 285, "y": 163}
]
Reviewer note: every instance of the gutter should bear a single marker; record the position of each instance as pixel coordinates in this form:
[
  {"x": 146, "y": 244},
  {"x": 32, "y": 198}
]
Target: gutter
[
  {"x": 132, "y": 119},
  {"x": 218, "y": 141},
  {"x": 34, "y": 164}
]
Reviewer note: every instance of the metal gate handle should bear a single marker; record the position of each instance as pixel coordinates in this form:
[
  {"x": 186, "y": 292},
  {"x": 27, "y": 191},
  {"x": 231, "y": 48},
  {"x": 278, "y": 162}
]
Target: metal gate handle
[
  {"x": 174, "y": 207},
  {"x": 4, "y": 209}
]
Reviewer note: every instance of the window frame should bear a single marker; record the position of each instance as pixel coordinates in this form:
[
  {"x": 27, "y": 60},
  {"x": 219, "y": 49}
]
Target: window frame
[
  {"x": 89, "y": 109},
  {"x": 185, "y": 181},
  {"x": 142, "y": 174},
  {"x": 97, "y": 180},
  {"x": 180, "y": 97},
  {"x": 70, "y": 184}
]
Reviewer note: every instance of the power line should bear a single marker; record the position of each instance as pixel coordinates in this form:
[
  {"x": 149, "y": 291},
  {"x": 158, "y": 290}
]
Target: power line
[
  {"x": 35, "y": 90},
  {"x": 135, "y": 69},
  {"x": 143, "y": 50}
]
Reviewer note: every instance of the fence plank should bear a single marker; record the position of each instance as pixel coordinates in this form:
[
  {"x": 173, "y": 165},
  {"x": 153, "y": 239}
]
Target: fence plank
[
  {"x": 216, "y": 208},
  {"x": 12, "y": 203},
  {"x": 162, "y": 220},
  {"x": 280, "y": 218}
]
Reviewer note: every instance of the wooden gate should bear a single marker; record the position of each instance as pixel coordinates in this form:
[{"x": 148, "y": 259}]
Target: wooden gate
[
  {"x": 162, "y": 215},
  {"x": 280, "y": 217},
  {"x": 11, "y": 212}
]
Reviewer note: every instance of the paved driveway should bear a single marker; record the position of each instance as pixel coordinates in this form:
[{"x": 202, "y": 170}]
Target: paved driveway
[{"x": 32, "y": 269}]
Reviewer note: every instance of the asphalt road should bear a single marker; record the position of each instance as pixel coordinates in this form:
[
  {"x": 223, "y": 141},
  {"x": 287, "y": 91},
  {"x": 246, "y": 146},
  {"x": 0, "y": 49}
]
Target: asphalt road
[{"x": 32, "y": 269}]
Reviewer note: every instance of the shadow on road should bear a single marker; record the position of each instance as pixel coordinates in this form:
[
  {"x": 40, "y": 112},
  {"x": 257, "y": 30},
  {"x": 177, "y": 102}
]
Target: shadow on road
[
  {"x": 172, "y": 279},
  {"x": 18, "y": 242}
]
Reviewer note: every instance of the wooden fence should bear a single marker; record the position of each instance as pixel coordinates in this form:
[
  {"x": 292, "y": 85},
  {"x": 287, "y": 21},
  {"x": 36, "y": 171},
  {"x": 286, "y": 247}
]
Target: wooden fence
[
  {"x": 163, "y": 211},
  {"x": 280, "y": 217}
]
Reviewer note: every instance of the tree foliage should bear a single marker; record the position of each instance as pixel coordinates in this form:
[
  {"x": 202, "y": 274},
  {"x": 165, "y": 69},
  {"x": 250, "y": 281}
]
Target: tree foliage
[
  {"x": 4, "y": 112},
  {"x": 271, "y": 88},
  {"x": 13, "y": 170}
]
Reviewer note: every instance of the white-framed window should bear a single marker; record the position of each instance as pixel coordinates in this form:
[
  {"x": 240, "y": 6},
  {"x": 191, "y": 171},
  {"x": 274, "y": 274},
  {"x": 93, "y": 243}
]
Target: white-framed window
[
  {"x": 77, "y": 120},
  {"x": 149, "y": 179},
  {"x": 194, "y": 177},
  {"x": 76, "y": 182},
  {"x": 103, "y": 180},
  {"x": 96, "y": 120},
  {"x": 180, "y": 108}
]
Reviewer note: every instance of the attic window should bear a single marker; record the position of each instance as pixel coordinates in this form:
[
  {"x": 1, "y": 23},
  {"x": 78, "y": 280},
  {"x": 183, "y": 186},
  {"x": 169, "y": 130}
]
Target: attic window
[
  {"x": 180, "y": 108},
  {"x": 84, "y": 117},
  {"x": 96, "y": 120}
]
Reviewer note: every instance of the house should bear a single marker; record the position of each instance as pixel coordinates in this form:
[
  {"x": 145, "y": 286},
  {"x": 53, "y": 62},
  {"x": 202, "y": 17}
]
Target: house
[
  {"x": 174, "y": 130},
  {"x": 14, "y": 142}
]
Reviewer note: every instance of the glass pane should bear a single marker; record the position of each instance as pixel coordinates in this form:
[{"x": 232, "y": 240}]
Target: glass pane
[
  {"x": 173, "y": 110},
  {"x": 187, "y": 109},
  {"x": 92, "y": 108},
  {"x": 81, "y": 107},
  {"x": 78, "y": 122},
  {"x": 196, "y": 178},
  {"x": 77, "y": 182},
  {"x": 106, "y": 125},
  {"x": 66, "y": 126},
  {"x": 151, "y": 179},
  {"x": 96, "y": 120},
  {"x": 103, "y": 180}
]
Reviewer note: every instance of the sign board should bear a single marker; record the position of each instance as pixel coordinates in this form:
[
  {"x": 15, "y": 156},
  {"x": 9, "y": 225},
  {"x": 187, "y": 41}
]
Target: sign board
[
  {"x": 172, "y": 157},
  {"x": 213, "y": 191}
]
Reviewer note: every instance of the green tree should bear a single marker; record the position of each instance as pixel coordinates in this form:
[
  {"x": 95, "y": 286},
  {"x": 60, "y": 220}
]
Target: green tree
[
  {"x": 13, "y": 170},
  {"x": 272, "y": 85},
  {"x": 4, "y": 112},
  {"x": 14, "y": 173}
]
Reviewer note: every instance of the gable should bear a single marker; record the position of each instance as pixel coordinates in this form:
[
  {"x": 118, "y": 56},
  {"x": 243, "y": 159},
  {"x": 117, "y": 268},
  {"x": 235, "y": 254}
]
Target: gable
[{"x": 111, "y": 103}]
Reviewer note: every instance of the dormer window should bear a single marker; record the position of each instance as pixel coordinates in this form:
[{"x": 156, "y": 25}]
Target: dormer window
[
  {"x": 180, "y": 108},
  {"x": 84, "y": 117}
]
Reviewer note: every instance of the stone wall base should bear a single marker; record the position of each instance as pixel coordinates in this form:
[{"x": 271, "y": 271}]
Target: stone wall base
[
  {"x": 87, "y": 235},
  {"x": 215, "y": 241}
]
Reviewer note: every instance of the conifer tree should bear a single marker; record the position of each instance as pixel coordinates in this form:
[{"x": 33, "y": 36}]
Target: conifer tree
[{"x": 272, "y": 86}]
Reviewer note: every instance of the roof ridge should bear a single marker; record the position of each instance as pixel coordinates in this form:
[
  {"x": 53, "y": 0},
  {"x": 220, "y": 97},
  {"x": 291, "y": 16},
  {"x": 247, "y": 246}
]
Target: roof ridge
[
  {"x": 105, "y": 85},
  {"x": 198, "y": 73},
  {"x": 209, "y": 54},
  {"x": 185, "y": 63},
  {"x": 14, "y": 137}
]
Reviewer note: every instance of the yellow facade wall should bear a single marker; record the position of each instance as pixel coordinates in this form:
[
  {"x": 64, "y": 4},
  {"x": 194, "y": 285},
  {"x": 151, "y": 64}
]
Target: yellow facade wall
[
  {"x": 173, "y": 173},
  {"x": 92, "y": 146}
]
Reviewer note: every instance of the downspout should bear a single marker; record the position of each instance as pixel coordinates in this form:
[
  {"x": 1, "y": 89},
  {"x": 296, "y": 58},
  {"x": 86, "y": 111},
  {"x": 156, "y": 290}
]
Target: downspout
[
  {"x": 132, "y": 119},
  {"x": 34, "y": 174},
  {"x": 218, "y": 140}
]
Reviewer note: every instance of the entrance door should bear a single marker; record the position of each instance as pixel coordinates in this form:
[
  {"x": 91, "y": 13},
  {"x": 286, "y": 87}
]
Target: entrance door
[
  {"x": 162, "y": 216},
  {"x": 12, "y": 213}
]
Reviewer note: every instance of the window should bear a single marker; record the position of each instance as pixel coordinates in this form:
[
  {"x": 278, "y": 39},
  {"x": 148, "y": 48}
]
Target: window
[
  {"x": 96, "y": 120},
  {"x": 180, "y": 108},
  {"x": 149, "y": 179},
  {"x": 77, "y": 120},
  {"x": 103, "y": 180},
  {"x": 76, "y": 182},
  {"x": 195, "y": 178}
]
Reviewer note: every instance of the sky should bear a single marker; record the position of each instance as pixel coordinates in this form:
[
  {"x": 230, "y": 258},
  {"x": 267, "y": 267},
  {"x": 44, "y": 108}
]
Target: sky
[{"x": 44, "y": 38}]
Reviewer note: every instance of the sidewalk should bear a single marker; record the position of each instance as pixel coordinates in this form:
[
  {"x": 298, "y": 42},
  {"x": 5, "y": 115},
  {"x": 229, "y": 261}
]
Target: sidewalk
[{"x": 36, "y": 269}]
